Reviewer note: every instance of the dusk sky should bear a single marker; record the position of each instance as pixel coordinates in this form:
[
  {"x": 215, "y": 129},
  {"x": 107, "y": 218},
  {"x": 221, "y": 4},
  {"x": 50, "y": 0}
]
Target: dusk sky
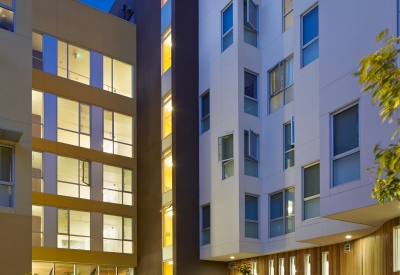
[{"x": 103, "y": 5}]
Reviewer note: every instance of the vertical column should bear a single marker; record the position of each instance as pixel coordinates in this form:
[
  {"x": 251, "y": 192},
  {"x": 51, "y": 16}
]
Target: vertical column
[
  {"x": 50, "y": 173},
  {"x": 50, "y": 226},
  {"x": 96, "y": 190},
  {"x": 96, "y": 70},
  {"x": 50, "y": 116},
  {"x": 97, "y": 128},
  {"x": 49, "y": 54},
  {"x": 96, "y": 231}
]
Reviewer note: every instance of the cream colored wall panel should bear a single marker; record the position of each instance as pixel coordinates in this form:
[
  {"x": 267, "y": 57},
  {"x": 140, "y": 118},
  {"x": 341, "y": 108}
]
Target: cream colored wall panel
[{"x": 23, "y": 17}]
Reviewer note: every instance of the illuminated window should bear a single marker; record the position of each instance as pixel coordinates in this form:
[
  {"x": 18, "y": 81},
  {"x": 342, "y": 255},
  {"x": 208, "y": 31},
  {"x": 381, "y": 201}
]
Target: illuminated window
[
  {"x": 281, "y": 88},
  {"x": 117, "y": 77},
  {"x": 37, "y": 225},
  {"x": 73, "y": 177},
  {"x": 307, "y": 264},
  {"x": 6, "y": 176},
  {"x": 168, "y": 268},
  {"x": 73, "y": 229},
  {"x": 73, "y": 63},
  {"x": 292, "y": 263},
  {"x": 167, "y": 171},
  {"x": 167, "y": 226},
  {"x": 37, "y": 171},
  {"x": 7, "y": 15},
  {"x": 117, "y": 134},
  {"x": 282, "y": 266},
  {"x": 37, "y": 114},
  {"x": 289, "y": 143},
  {"x": 271, "y": 267},
  {"x": 37, "y": 51},
  {"x": 117, "y": 234},
  {"x": 282, "y": 213},
  {"x": 117, "y": 185},
  {"x": 166, "y": 51},
  {"x": 287, "y": 14},
  {"x": 325, "y": 263},
  {"x": 167, "y": 116}
]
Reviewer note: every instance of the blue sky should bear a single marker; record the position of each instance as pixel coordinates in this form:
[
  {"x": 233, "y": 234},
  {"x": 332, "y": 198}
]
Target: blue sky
[{"x": 103, "y": 5}]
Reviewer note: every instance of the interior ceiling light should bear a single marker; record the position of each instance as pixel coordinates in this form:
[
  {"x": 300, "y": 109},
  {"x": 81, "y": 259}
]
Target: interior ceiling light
[
  {"x": 232, "y": 257},
  {"x": 348, "y": 237}
]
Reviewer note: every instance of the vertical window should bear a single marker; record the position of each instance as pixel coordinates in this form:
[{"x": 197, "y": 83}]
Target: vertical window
[
  {"x": 282, "y": 266},
  {"x": 37, "y": 225},
  {"x": 6, "y": 176},
  {"x": 168, "y": 268},
  {"x": 325, "y": 263},
  {"x": 311, "y": 191},
  {"x": 117, "y": 234},
  {"x": 37, "y": 51},
  {"x": 251, "y": 152},
  {"x": 310, "y": 45},
  {"x": 396, "y": 248},
  {"x": 37, "y": 171},
  {"x": 289, "y": 144},
  {"x": 250, "y": 93},
  {"x": 287, "y": 14},
  {"x": 250, "y": 22},
  {"x": 254, "y": 268},
  {"x": 167, "y": 171},
  {"x": 346, "y": 150},
  {"x": 282, "y": 213},
  {"x": 117, "y": 134},
  {"x": 73, "y": 229},
  {"x": 251, "y": 216},
  {"x": 117, "y": 185},
  {"x": 271, "y": 268},
  {"x": 7, "y": 15},
  {"x": 227, "y": 27},
  {"x": 167, "y": 226},
  {"x": 73, "y": 123},
  {"x": 167, "y": 116},
  {"x": 205, "y": 112},
  {"x": 307, "y": 264},
  {"x": 205, "y": 225},
  {"x": 117, "y": 77},
  {"x": 37, "y": 114},
  {"x": 163, "y": 2},
  {"x": 281, "y": 88},
  {"x": 73, "y": 63},
  {"x": 166, "y": 51},
  {"x": 73, "y": 177},
  {"x": 292, "y": 263},
  {"x": 225, "y": 155}
]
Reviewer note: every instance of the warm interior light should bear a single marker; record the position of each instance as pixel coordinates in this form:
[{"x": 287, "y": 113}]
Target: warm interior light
[
  {"x": 348, "y": 237},
  {"x": 232, "y": 257},
  {"x": 170, "y": 262},
  {"x": 290, "y": 207}
]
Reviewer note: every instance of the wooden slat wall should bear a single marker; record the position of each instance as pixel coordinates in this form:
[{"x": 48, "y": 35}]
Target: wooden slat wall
[{"x": 370, "y": 255}]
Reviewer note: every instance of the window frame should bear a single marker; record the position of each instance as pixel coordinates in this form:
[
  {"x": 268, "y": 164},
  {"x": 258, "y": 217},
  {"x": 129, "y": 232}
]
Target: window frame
[
  {"x": 281, "y": 270},
  {"x": 69, "y": 228},
  {"x": 123, "y": 186},
  {"x": 202, "y": 116},
  {"x": 286, "y": 14},
  {"x": 34, "y": 57},
  {"x": 223, "y": 35},
  {"x": 203, "y": 229},
  {"x": 80, "y": 176},
  {"x": 291, "y": 122},
  {"x": 113, "y": 89},
  {"x": 164, "y": 36},
  {"x": 12, "y": 9},
  {"x": 112, "y": 140},
  {"x": 292, "y": 265},
  {"x": 41, "y": 178},
  {"x": 271, "y": 267},
  {"x": 255, "y": 159},
  {"x": 221, "y": 158},
  {"x": 246, "y": 15},
  {"x": 165, "y": 100},
  {"x": 304, "y": 46},
  {"x": 41, "y": 124},
  {"x": 310, "y": 197},
  {"x": 307, "y": 266},
  {"x": 256, "y": 99},
  {"x": 123, "y": 240},
  {"x": 283, "y": 217},
  {"x": 258, "y": 215},
  {"x": 41, "y": 232},
  {"x": 10, "y": 184},
  {"x": 325, "y": 259}
]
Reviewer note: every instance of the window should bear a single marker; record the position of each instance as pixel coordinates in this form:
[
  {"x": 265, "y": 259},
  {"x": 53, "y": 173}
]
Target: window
[
  {"x": 227, "y": 27},
  {"x": 7, "y": 15},
  {"x": 251, "y": 152},
  {"x": 167, "y": 226},
  {"x": 282, "y": 266},
  {"x": 205, "y": 112},
  {"x": 311, "y": 191},
  {"x": 167, "y": 171},
  {"x": 117, "y": 76},
  {"x": 117, "y": 185},
  {"x": 167, "y": 116},
  {"x": 117, "y": 234},
  {"x": 250, "y": 22},
  {"x": 251, "y": 216},
  {"x": 346, "y": 150},
  {"x": 292, "y": 263},
  {"x": 310, "y": 44},
  {"x": 80, "y": 269},
  {"x": 325, "y": 263},
  {"x": 73, "y": 63},
  {"x": 307, "y": 264},
  {"x": 163, "y": 2},
  {"x": 168, "y": 268},
  {"x": 289, "y": 144},
  {"x": 73, "y": 123},
  {"x": 225, "y": 155},
  {"x": 282, "y": 213},
  {"x": 37, "y": 225},
  {"x": 117, "y": 134},
  {"x": 37, "y": 51},
  {"x": 73, "y": 177},
  {"x": 73, "y": 229},
  {"x": 281, "y": 88},
  {"x": 205, "y": 225},
  {"x": 37, "y": 171},
  {"x": 37, "y": 114},
  {"x": 6, "y": 176},
  {"x": 166, "y": 51},
  {"x": 271, "y": 268},
  {"x": 287, "y": 14},
  {"x": 254, "y": 268},
  {"x": 250, "y": 93},
  {"x": 396, "y": 248}
]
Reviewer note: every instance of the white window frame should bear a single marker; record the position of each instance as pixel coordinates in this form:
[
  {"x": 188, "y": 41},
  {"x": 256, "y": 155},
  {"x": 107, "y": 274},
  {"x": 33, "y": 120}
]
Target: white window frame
[
  {"x": 291, "y": 122},
  {"x": 112, "y": 139},
  {"x": 12, "y": 8},
  {"x": 202, "y": 116},
  {"x": 258, "y": 215},
  {"x": 122, "y": 239},
  {"x": 303, "y": 47},
  {"x": 256, "y": 90},
  {"x": 283, "y": 217},
  {"x": 12, "y": 183},
  {"x": 68, "y": 234},
  {"x": 222, "y": 26},
  {"x": 123, "y": 186},
  {"x": 202, "y": 229},
  {"x": 311, "y": 197},
  {"x": 80, "y": 176}
]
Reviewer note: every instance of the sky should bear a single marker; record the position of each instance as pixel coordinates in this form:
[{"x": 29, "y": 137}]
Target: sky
[{"x": 103, "y": 5}]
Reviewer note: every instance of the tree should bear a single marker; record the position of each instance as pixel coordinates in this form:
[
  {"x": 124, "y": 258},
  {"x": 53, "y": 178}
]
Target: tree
[
  {"x": 244, "y": 269},
  {"x": 380, "y": 77}
]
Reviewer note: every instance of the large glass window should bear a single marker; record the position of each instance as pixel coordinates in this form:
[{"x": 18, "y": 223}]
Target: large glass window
[
  {"x": 7, "y": 15},
  {"x": 167, "y": 116},
  {"x": 281, "y": 266},
  {"x": 250, "y": 22},
  {"x": 37, "y": 114},
  {"x": 271, "y": 268},
  {"x": 37, "y": 171},
  {"x": 251, "y": 216},
  {"x": 282, "y": 213},
  {"x": 307, "y": 264},
  {"x": 117, "y": 134},
  {"x": 289, "y": 144},
  {"x": 73, "y": 123},
  {"x": 205, "y": 225},
  {"x": 311, "y": 191},
  {"x": 6, "y": 176},
  {"x": 117, "y": 234},
  {"x": 73, "y": 177},
  {"x": 46, "y": 268},
  {"x": 37, "y": 51},
  {"x": 251, "y": 152},
  {"x": 225, "y": 155},
  {"x": 227, "y": 27},
  {"x": 167, "y": 226},
  {"x": 117, "y": 185},
  {"x": 281, "y": 88},
  {"x": 167, "y": 170},
  {"x": 250, "y": 93},
  {"x": 166, "y": 51},
  {"x": 292, "y": 265},
  {"x": 287, "y": 14},
  {"x": 325, "y": 263},
  {"x": 117, "y": 77},
  {"x": 310, "y": 45},
  {"x": 37, "y": 225},
  {"x": 205, "y": 112},
  {"x": 73, "y": 63},
  {"x": 346, "y": 150},
  {"x": 73, "y": 229}
]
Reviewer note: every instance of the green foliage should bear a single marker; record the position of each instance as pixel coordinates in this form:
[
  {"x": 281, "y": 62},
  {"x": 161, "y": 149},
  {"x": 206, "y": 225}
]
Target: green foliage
[
  {"x": 380, "y": 77},
  {"x": 244, "y": 269}
]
